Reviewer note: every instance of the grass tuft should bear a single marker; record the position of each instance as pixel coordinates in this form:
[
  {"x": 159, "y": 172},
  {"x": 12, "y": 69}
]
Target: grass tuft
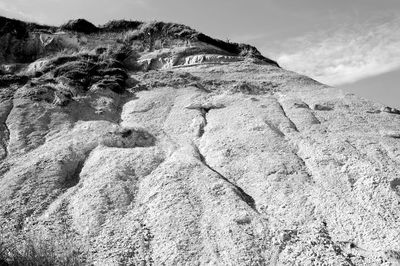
[{"x": 40, "y": 250}]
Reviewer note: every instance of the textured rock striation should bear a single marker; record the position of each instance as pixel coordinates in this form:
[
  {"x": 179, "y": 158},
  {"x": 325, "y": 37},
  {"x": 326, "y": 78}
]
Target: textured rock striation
[{"x": 153, "y": 144}]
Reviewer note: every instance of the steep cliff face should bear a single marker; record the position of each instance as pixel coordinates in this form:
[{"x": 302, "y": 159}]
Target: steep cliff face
[{"x": 152, "y": 144}]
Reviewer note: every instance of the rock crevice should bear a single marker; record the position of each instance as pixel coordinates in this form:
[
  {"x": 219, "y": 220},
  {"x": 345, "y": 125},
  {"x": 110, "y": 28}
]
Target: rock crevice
[{"x": 239, "y": 191}]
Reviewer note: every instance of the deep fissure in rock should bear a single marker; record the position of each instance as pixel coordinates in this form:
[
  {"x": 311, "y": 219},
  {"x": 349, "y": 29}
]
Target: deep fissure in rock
[
  {"x": 5, "y": 141},
  {"x": 74, "y": 177},
  {"x": 288, "y": 118},
  {"x": 6, "y": 134},
  {"x": 238, "y": 190},
  {"x": 203, "y": 112}
]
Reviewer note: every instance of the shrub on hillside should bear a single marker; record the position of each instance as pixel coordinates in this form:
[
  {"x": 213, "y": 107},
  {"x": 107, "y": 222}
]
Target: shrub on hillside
[
  {"x": 80, "y": 25},
  {"x": 121, "y": 25}
]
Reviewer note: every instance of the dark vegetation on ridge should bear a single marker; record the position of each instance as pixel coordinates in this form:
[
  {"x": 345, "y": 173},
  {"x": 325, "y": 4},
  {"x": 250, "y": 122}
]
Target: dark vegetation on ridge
[
  {"x": 66, "y": 77},
  {"x": 121, "y": 25},
  {"x": 14, "y": 28},
  {"x": 80, "y": 25},
  {"x": 20, "y": 29},
  {"x": 92, "y": 69}
]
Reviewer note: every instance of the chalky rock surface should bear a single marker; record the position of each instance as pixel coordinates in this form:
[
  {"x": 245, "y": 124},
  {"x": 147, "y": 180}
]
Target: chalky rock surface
[{"x": 189, "y": 154}]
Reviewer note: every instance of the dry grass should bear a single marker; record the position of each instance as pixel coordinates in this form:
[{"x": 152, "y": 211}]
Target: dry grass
[{"x": 40, "y": 250}]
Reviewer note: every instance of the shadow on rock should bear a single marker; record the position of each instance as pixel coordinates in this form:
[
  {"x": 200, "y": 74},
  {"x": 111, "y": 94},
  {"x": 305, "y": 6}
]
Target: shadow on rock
[{"x": 128, "y": 138}]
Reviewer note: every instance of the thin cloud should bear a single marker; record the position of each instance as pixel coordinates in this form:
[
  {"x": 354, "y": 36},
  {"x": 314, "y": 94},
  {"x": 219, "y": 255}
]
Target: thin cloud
[
  {"x": 346, "y": 54},
  {"x": 9, "y": 10}
]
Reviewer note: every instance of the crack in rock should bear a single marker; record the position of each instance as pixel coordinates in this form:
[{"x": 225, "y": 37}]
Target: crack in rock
[
  {"x": 73, "y": 168},
  {"x": 204, "y": 109},
  {"x": 5, "y": 140},
  {"x": 73, "y": 178},
  {"x": 199, "y": 86},
  {"x": 274, "y": 128},
  {"x": 292, "y": 124},
  {"x": 304, "y": 165},
  {"x": 395, "y": 185},
  {"x": 204, "y": 112},
  {"x": 238, "y": 190}
]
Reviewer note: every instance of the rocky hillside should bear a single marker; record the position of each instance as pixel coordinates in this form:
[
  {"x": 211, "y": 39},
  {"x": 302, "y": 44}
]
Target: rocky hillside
[{"x": 141, "y": 143}]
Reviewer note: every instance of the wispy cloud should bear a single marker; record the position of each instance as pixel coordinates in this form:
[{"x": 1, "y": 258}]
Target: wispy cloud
[
  {"x": 346, "y": 54},
  {"x": 10, "y": 10}
]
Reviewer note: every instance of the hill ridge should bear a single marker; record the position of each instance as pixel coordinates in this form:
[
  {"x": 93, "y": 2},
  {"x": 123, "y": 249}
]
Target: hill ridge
[
  {"x": 156, "y": 28},
  {"x": 159, "y": 145}
]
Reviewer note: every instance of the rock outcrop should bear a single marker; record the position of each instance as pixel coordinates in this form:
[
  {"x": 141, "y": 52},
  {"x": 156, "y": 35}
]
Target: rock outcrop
[{"x": 153, "y": 144}]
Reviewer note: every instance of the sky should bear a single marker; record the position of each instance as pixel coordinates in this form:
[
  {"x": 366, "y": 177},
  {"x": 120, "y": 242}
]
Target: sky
[{"x": 351, "y": 44}]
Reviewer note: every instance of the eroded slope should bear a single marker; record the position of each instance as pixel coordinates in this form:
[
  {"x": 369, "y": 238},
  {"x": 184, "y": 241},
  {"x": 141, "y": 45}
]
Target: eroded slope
[{"x": 188, "y": 154}]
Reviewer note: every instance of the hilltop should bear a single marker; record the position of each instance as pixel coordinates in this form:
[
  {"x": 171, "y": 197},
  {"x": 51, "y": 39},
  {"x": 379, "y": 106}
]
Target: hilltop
[{"x": 150, "y": 143}]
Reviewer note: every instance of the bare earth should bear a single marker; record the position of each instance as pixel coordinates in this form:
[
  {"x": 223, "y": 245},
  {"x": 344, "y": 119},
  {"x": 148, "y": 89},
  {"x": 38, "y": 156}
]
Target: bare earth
[{"x": 200, "y": 157}]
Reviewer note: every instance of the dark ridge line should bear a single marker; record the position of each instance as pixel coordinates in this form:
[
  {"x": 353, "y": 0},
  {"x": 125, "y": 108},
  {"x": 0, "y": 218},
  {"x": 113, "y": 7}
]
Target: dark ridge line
[
  {"x": 161, "y": 29},
  {"x": 274, "y": 128},
  {"x": 239, "y": 49},
  {"x": 287, "y": 117},
  {"x": 238, "y": 190},
  {"x": 307, "y": 170}
]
